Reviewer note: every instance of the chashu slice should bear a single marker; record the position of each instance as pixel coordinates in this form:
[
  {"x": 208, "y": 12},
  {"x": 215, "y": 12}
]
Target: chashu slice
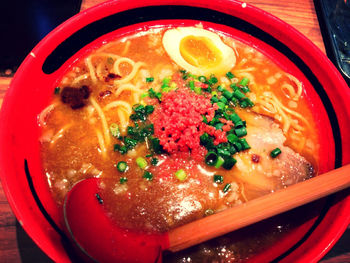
[{"x": 256, "y": 168}]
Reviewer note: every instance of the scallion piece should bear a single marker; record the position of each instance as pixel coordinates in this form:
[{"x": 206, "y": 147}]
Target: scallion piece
[
  {"x": 245, "y": 89},
  {"x": 219, "y": 162},
  {"x": 223, "y": 100},
  {"x": 232, "y": 138},
  {"x": 229, "y": 162},
  {"x": 214, "y": 99},
  {"x": 141, "y": 162},
  {"x": 149, "y": 109},
  {"x": 154, "y": 161},
  {"x": 223, "y": 152},
  {"x": 235, "y": 118},
  {"x": 181, "y": 175},
  {"x": 114, "y": 129},
  {"x": 148, "y": 175},
  {"x": 202, "y": 79},
  {"x": 220, "y": 88},
  {"x": 238, "y": 94},
  {"x": 229, "y": 75},
  {"x": 219, "y": 126},
  {"x": 221, "y": 105},
  {"x": 244, "y": 144},
  {"x": 226, "y": 188},
  {"x": 275, "y": 152},
  {"x": 228, "y": 95},
  {"x": 244, "y": 82},
  {"x": 242, "y": 131},
  {"x": 122, "y": 166},
  {"x": 219, "y": 179},
  {"x": 211, "y": 158},
  {"x": 150, "y": 79},
  {"x": 120, "y": 148},
  {"x": 123, "y": 180},
  {"x": 197, "y": 90},
  {"x": 213, "y": 80},
  {"x": 192, "y": 85}
]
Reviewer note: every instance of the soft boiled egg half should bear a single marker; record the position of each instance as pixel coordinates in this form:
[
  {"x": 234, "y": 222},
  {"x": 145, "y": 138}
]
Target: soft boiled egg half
[{"x": 199, "y": 51}]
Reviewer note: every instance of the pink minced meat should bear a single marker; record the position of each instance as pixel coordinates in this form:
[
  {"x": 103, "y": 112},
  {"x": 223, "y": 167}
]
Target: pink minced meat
[{"x": 178, "y": 121}]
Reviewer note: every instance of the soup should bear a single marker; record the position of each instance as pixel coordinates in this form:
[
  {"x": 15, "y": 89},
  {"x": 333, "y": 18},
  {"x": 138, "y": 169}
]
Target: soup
[{"x": 178, "y": 124}]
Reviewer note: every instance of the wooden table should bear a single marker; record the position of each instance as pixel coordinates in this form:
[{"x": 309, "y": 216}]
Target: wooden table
[{"x": 16, "y": 246}]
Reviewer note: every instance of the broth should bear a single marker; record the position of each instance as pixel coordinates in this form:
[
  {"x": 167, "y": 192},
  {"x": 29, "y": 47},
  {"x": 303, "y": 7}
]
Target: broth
[{"x": 162, "y": 189}]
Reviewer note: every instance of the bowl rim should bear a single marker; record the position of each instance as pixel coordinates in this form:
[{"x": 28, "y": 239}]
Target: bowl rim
[{"x": 337, "y": 96}]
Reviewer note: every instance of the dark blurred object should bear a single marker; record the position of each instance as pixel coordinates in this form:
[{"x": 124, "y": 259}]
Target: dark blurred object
[
  {"x": 23, "y": 23},
  {"x": 334, "y": 19}
]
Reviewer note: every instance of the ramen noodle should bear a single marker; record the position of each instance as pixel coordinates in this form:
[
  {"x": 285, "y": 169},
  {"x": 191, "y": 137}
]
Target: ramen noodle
[{"x": 178, "y": 124}]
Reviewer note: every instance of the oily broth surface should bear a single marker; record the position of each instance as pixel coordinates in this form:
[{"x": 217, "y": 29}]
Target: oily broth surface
[{"x": 151, "y": 205}]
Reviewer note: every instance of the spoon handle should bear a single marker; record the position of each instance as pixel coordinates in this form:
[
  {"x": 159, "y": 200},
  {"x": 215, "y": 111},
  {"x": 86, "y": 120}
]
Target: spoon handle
[{"x": 259, "y": 209}]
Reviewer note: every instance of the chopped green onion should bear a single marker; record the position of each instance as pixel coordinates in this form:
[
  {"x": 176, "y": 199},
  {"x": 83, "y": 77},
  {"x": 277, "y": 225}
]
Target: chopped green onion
[
  {"x": 157, "y": 148},
  {"x": 148, "y": 176},
  {"x": 238, "y": 94},
  {"x": 166, "y": 81},
  {"x": 223, "y": 152},
  {"x": 122, "y": 166},
  {"x": 123, "y": 180},
  {"x": 205, "y": 120},
  {"x": 226, "y": 188},
  {"x": 244, "y": 82},
  {"x": 221, "y": 105},
  {"x": 229, "y": 75},
  {"x": 150, "y": 79},
  {"x": 235, "y": 118},
  {"x": 192, "y": 86},
  {"x": 229, "y": 163},
  {"x": 197, "y": 90},
  {"x": 219, "y": 162},
  {"x": 154, "y": 161},
  {"x": 275, "y": 152},
  {"x": 220, "y": 88},
  {"x": 141, "y": 162},
  {"x": 202, "y": 79},
  {"x": 57, "y": 90},
  {"x": 244, "y": 144},
  {"x": 114, "y": 129},
  {"x": 204, "y": 138},
  {"x": 238, "y": 146},
  {"x": 181, "y": 174},
  {"x": 144, "y": 95},
  {"x": 121, "y": 148},
  {"x": 223, "y": 100},
  {"x": 213, "y": 80},
  {"x": 239, "y": 124},
  {"x": 219, "y": 126},
  {"x": 149, "y": 109},
  {"x": 232, "y": 138},
  {"x": 245, "y": 89},
  {"x": 211, "y": 158},
  {"x": 214, "y": 99},
  {"x": 241, "y": 131},
  {"x": 130, "y": 143},
  {"x": 219, "y": 179},
  {"x": 228, "y": 95}
]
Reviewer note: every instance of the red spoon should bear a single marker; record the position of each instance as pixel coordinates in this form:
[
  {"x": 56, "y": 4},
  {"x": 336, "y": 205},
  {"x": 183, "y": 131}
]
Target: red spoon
[{"x": 99, "y": 237}]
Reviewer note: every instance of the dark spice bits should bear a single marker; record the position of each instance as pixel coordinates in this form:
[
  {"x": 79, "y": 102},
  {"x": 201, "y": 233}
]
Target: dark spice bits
[{"x": 75, "y": 97}]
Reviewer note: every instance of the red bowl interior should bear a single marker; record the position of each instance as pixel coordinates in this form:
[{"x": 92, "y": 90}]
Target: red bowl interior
[{"x": 31, "y": 90}]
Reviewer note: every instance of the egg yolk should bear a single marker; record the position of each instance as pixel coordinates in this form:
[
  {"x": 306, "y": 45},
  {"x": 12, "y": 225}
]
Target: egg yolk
[{"x": 200, "y": 51}]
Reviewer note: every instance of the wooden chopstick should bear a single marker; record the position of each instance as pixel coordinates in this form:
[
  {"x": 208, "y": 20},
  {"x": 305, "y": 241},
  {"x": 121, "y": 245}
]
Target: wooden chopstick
[{"x": 259, "y": 209}]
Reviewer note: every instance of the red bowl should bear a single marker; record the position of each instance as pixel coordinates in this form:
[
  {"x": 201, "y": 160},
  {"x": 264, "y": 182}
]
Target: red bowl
[{"x": 31, "y": 89}]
